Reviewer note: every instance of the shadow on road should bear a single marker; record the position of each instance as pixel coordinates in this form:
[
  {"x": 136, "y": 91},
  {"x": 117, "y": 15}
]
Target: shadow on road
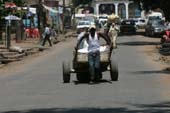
[
  {"x": 98, "y": 82},
  {"x": 132, "y": 34},
  {"x": 152, "y": 108},
  {"x": 164, "y": 71},
  {"x": 139, "y": 43}
]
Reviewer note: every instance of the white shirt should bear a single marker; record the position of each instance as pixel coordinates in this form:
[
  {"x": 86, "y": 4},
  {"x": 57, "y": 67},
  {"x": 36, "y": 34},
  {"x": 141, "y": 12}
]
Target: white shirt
[
  {"x": 94, "y": 44},
  {"x": 47, "y": 30}
]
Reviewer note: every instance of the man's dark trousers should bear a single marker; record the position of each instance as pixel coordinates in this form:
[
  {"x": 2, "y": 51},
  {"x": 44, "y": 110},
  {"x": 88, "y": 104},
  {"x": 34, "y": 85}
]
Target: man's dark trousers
[
  {"x": 47, "y": 37},
  {"x": 94, "y": 64}
]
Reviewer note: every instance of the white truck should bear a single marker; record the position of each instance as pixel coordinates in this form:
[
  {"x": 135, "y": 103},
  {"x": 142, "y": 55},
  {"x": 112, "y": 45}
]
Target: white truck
[{"x": 154, "y": 15}]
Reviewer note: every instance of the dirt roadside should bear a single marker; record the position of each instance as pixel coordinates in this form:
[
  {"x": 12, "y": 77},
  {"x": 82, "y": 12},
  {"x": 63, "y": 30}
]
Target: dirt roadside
[{"x": 152, "y": 51}]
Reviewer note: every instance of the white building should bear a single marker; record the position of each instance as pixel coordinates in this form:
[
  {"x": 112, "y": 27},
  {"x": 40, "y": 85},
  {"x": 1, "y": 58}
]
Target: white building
[{"x": 124, "y": 8}]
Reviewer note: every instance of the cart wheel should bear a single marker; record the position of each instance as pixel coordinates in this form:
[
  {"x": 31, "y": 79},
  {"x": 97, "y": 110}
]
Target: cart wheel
[
  {"x": 113, "y": 70},
  {"x": 83, "y": 77},
  {"x": 66, "y": 72}
]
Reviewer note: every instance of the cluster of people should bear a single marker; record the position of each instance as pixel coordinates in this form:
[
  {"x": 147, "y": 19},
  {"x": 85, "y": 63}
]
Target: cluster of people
[
  {"x": 92, "y": 43},
  {"x": 32, "y": 32}
]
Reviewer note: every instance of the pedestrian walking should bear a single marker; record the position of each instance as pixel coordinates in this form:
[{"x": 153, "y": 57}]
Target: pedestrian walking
[
  {"x": 113, "y": 33},
  {"x": 47, "y": 34}
]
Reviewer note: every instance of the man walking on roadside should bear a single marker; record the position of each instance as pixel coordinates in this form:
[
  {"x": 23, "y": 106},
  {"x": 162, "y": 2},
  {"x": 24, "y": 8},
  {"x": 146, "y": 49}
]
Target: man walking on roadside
[{"x": 47, "y": 34}]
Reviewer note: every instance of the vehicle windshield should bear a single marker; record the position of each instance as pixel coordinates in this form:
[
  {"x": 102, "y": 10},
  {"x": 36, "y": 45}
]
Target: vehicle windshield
[
  {"x": 158, "y": 23},
  {"x": 102, "y": 17},
  {"x": 89, "y": 18},
  {"x": 84, "y": 23},
  {"x": 154, "y": 18}
]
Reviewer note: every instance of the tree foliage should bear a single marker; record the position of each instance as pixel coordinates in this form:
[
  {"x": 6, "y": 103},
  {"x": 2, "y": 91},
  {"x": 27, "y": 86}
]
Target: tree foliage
[
  {"x": 165, "y": 6},
  {"x": 154, "y": 4},
  {"x": 3, "y": 11},
  {"x": 80, "y": 2},
  {"x": 148, "y": 4},
  {"x": 17, "y": 2}
]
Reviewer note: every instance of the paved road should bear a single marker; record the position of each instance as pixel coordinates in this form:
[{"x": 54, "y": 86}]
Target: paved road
[{"x": 142, "y": 87}]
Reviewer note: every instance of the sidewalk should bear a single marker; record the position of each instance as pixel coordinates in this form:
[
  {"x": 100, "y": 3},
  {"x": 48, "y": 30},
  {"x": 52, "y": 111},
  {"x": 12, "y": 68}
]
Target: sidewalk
[{"x": 27, "y": 47}]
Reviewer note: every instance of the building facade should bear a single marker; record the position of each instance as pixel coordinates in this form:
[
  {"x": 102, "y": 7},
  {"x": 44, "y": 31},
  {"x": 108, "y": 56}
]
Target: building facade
[{"x": 123, "y": 8}]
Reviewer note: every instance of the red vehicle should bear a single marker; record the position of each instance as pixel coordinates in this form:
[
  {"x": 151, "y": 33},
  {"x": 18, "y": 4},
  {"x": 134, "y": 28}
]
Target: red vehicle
[{"x": 166, "y": 36}]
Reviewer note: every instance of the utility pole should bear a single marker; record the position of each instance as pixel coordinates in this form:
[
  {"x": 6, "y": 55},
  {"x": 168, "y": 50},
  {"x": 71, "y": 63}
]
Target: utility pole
[
  {"x": 1, "y": 9},
  {"x": 8, "y": 34},
  {"x": 39, "y": 14},
  {"x": 40, "y": 18},
  {"x": 63, "y": 16}
]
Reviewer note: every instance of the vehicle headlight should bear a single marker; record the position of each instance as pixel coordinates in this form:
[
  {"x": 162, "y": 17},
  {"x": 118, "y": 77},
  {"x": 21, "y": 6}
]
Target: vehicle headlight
[{"x": 157, "y": 29}]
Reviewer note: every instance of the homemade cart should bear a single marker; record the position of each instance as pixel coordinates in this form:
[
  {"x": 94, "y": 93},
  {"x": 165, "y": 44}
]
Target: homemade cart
[{"x": 81, "y": 68}]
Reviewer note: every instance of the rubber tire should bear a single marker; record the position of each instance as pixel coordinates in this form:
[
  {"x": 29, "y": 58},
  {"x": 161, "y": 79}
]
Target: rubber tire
[
  {"x": 166, "y": 45},
  {"x": 83, "y": 77},
  {"x": 66, "y": 72},
  {"x": 114, "y": 70}
]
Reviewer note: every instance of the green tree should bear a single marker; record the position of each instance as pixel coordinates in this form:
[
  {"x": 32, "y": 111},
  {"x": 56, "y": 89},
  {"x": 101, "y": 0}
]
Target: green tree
[
  {"x": 80, "y": 2},
  {"x": 153, "y": 4},
  {"x": 4, "y": 12},
  {"x": 148, "y": 4},
  {"x": 1, "y": 13},
  {"x": 19, "y": 2},
  {"x": 165, "y": 6},
  {"x": 1, "y": 9}
]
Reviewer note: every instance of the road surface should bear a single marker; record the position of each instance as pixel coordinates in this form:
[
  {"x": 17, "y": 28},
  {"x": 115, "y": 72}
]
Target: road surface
[{"x": 37, "y": 86}]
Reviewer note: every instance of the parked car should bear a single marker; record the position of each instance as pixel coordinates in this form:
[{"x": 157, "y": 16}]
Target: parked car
[
  {"x": 140, "y": 23},
  {"x": 102, "y": 20},
  {"x": 155, "y": 28},
  {"x": 91, "y": 19},
  {"x": 128, "y": 26},
  {"x": 82, "y": 24}
]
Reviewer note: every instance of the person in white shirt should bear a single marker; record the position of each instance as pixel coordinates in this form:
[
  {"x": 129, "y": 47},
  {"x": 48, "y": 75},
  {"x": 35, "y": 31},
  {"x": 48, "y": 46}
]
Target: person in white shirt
[
  {"x": 47, "y": 33},
  {"x": 93, "y": 52}
]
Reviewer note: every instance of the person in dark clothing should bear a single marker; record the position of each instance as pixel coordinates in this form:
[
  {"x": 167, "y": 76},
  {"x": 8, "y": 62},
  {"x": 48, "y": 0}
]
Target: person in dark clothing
[{"x": 47, "y": 33}]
